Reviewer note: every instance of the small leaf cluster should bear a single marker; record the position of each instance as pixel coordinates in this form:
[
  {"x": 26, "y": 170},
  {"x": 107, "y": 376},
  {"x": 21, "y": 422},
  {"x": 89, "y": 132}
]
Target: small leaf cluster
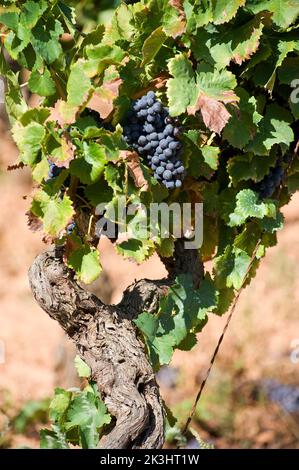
[{"x": 78, "y": 416}]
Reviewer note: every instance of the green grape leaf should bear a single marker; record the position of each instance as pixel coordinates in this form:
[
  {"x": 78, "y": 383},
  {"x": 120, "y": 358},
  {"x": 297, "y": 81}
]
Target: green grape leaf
[
  {"x": 90, "y": 166},
  {"x": 135, "y": 249},
  {"x": 41, "y": 170},
  {"x": 273, "y": 129},
  {"x": 28, "y": 140},
  {"x": 249, "y": 166},
  {"x": 78, "y": 85},
  {"x": 59, "y": 404},
  {"x": 83, "y": 370},
  {"x": 89, "y": 414},
  {"x": 248, "y": 205},
  {"x": 224, "y": 11},
  {"x": 183, "y": 311},
  {"x": 180, "y": 88},
  {"x": 231, "y": 267},
  {"x": 284, "y": 12},
  {"x": 152, "y": 45},
  {"x": 242, "y": 125},
  {"x": 41, "y": 83},
  {"x": 55, "y": 213},
  {"x": 85, "y": 261},
  {"x": 235, "y": 44},
  {"x": 53, "y": 439},
  {"x": 10, "y": 19}
]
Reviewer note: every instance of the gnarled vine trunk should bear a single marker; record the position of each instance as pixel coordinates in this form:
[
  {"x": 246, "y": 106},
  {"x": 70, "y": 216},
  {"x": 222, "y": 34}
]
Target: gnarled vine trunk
[{"x": 108, "y": 341}]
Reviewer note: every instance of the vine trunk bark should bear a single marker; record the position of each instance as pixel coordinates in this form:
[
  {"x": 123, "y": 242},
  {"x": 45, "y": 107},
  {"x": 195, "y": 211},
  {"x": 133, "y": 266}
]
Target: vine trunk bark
[{"x": 108, "y": 341}]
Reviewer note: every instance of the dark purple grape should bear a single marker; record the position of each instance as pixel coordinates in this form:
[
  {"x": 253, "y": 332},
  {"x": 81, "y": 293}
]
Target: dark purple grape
[
  {"x": 168, "y": 153},
  {"x": 70, "y": 228},
  {"x": 148, "y": 147},
  {"x": 160, "y": 170},
  {"x": 167, "y": 175},
  {"x": 180, "y": 170},
  {"x": 174, "y": 145},
  {"x": 154, "y": 144},
  {"x": 178, "y": 183},
  {"x": 169, "y": 166},
  {"x": 149, "y": 128},
  {"x": 155, "y": 160},
  {"x": 168, "y": 129},
  {"x": 163, "y": 144},
  {"x": 150, "y": 118},
  {"x": 157, "y": 107},
  {"x": 142, "y": 113},
  {"x": 169, "y": 184},
  {"x": 142, "y": 140}
]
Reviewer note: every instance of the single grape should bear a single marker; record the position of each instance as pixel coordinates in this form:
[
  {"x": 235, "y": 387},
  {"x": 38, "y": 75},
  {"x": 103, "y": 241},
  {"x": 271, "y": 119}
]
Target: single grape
[
  {"x": 148, "y": 128},
  {"x": 157, "y": 107},
  {"x": 148, "y": 147},
  {"x": 178, "y": 183},
  {"x": 154, "y": 144},
  {"x": 142, "y": 140},
  {"x": 160, "y": 170},
  {"x": 174, "y": 145},
  {"x": 168, "y": 152},
  {"x": 142, "y": 113},
  {"x": 163, "y": 144},
  {"x": 168, "y": 129},
  {"x": 167, "y": 175},
  {"x": 170, "y": 166}
]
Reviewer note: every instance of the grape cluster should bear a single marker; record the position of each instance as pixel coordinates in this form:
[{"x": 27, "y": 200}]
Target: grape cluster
[
  {"x": 150, "y": 131},
  {"x": 271, "y": 182},
  {"x": 54, "y": 171},
  {"x": 287, "y": 396}
]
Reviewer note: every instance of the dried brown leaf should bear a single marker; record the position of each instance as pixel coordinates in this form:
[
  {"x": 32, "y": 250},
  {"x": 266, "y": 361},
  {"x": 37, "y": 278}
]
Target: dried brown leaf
[
  {"x": 213, "y": 112},
  {"x": 102, "y": 99},
  {"x": 133, "y": 162},
  {"x": 179, "y": 28},
  {"x": 63, "y": 113},
  {"x": 33, "y": 222}
]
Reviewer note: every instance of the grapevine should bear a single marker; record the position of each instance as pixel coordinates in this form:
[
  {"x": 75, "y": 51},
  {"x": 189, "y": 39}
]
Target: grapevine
[{"x": 162, "y": 104}]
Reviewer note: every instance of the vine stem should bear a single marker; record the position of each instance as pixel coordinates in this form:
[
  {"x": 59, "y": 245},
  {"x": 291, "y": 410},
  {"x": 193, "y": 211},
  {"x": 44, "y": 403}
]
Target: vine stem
[{"x": 232, "y": 309}]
